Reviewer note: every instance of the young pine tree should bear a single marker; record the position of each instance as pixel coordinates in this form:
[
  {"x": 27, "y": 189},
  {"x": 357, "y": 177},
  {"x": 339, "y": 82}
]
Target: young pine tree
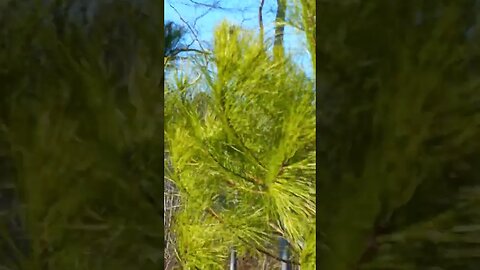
[{"x": 243, "y": 161}]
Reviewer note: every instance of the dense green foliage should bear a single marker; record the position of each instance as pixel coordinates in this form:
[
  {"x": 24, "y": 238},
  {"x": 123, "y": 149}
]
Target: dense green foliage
[
  {"x": 242, "y": 153},
  {"x": 81, "y": 135},
  {"x": 398, "y": 121},
  {"x": 398, "y": 134}
]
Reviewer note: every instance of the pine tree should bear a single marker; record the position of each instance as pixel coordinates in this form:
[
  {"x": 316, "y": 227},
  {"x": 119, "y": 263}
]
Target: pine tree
[{"x": 245, "y": 163}]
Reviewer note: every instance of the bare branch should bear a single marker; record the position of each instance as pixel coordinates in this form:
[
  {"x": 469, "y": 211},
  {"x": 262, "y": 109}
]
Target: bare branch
[
  {"x": 194, "y": 33},
  {"x": 215, "y": 4},
  {"x": 181, "y": 50}
]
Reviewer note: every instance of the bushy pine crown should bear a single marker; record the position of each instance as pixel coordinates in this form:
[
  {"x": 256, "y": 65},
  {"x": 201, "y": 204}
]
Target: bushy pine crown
[{"x": 245, "y": 166}]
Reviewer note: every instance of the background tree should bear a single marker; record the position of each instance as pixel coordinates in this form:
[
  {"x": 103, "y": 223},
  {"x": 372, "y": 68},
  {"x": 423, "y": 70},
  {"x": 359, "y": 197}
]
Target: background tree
[{"x": 174, "y": 34}]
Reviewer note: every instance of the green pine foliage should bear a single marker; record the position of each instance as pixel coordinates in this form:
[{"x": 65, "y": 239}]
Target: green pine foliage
[
  {"x": 81, "y": 130},
  {"x": 244, "y": 161},
  {"x": 398, "y": 115}
]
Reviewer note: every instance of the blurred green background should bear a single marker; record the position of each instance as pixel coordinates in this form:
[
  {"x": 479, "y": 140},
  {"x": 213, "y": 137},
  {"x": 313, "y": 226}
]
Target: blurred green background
[
  {"x": 398, "y": 125},
  {"x": 81, "y": 134}
]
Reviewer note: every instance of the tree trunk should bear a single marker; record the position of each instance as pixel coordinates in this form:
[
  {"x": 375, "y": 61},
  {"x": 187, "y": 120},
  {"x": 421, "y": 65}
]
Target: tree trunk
[{"x": 278, "y": 46}]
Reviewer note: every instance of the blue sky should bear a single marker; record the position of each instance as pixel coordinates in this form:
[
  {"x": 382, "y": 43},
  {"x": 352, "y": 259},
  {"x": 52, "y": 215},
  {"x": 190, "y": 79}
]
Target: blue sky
[{"x": 242, "y": 12}]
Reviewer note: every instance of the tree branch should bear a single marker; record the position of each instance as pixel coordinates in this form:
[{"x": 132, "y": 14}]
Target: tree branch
[
  {"x": 251, "y": 181},
  {"x": 215, "y": 4},
  {"x": 261, "y": 250},
  {"x": 180, "y": 50},
  {"x": 195, "y": 36}
]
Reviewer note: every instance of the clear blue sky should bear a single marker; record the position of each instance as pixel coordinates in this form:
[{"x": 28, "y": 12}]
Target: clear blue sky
[{"x": 242, "y": 12}]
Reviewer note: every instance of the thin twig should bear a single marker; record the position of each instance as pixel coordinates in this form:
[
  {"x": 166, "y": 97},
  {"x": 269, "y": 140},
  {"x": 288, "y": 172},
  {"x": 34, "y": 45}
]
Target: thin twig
[
  {"x": 180, "y": 50},
  {"x": 201, "y": 16},
  {"x": 195, "y": 36},
  {"x": 216, "y": 5}
]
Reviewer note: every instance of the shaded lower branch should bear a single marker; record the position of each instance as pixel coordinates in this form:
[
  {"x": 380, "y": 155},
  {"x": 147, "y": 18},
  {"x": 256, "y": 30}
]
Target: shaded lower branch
[{"x": 261, "y": 250}]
